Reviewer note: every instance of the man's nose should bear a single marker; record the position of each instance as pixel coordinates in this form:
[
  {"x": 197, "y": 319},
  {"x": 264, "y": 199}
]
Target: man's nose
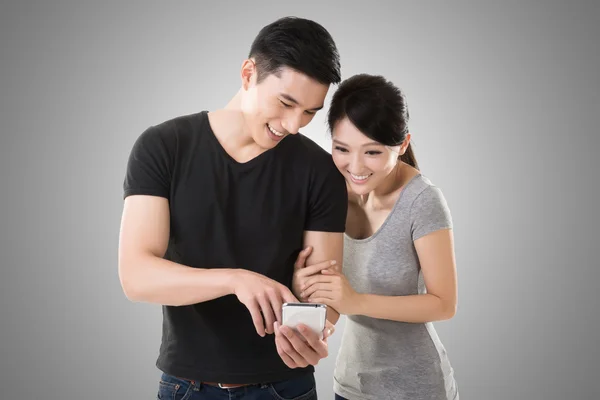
[{"x": 292, "y": 123}]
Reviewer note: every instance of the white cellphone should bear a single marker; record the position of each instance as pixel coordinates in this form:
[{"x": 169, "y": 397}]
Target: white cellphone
[{"x": 310, "y": 314}]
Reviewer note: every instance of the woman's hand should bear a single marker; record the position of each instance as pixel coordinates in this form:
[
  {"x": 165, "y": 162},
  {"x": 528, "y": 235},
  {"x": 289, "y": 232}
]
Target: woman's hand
[
  {"x": 332, "y": 288},
  {"x": 302, "y": 273}
]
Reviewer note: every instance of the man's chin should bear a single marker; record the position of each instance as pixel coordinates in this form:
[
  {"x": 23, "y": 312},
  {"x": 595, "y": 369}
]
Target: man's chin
[{"x": 267, "y": 143}]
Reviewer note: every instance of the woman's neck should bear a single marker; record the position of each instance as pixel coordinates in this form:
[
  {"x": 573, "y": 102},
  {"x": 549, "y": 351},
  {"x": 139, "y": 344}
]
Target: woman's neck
[{"x": 386, "y": 192}]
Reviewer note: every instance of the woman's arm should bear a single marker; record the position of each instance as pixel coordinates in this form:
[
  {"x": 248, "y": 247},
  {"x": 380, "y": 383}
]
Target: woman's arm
[{"x": 436, "y": 256}]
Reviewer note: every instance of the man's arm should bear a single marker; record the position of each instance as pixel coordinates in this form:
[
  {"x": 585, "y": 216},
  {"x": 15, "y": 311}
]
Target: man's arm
[
  {"x": 326, "y": 246},
  {"x": 295, "y": 352},
  {"x": 146, "y": 276}
]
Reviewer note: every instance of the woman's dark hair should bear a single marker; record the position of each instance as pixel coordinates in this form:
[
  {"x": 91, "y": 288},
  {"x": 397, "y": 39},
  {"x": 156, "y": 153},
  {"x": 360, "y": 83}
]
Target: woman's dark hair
[
  {"x": 297, "y": 43},
  {"x": 376, "y": 107}
]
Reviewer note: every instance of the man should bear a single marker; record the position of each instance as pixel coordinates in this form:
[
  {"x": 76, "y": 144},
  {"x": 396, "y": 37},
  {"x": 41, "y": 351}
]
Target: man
[{"x": 218, "y": 206}]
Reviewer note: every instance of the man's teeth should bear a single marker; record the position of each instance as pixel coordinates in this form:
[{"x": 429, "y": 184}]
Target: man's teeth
[
  {"x": 359, "y": 177},
  {"x": 275, "y": 132}
]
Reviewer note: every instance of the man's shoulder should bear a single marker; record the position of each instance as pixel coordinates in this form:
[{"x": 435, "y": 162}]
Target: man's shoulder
[
  {"x": 180, "y": 123},
  {"x": 174, "y": 132},
  {"x": 308, "y": 150}
]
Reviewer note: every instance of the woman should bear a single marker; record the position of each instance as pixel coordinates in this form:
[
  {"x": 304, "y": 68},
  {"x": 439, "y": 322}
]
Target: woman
[{"x": 399, "y": 272}]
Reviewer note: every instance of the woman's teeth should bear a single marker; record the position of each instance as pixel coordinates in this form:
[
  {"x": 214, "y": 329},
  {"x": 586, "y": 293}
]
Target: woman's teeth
[
  {"x": 274, "y": 132},
  {"x": 359, "y": 177}
]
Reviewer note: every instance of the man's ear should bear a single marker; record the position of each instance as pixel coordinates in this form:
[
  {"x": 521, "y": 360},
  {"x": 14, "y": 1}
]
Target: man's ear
[{"x": 248, "y": 73}]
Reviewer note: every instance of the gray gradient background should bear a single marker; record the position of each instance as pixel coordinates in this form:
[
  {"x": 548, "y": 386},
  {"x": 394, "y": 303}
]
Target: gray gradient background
[{"x": 504, "y": 99}]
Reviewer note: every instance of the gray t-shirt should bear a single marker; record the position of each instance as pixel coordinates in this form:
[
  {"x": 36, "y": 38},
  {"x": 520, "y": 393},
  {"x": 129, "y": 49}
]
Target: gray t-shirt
[{"x": 382, "y": 359}]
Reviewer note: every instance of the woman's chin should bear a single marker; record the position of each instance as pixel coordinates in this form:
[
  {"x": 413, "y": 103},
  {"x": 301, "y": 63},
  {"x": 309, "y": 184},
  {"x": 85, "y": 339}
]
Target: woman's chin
[{"x": 359, "y": 189}]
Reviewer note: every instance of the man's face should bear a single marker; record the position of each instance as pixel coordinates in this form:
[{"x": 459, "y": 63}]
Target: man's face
[{"x": 280, "y": 105}]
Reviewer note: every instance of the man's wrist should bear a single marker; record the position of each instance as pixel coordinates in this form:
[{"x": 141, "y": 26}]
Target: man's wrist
[{"x": 232, "y": 277}]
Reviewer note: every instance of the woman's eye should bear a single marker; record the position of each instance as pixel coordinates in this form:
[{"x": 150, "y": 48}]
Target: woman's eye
[
  {"x": 343, "y": 150},
  {"x": 285, "y": 104},
  {"x": 373, "y": 153}
]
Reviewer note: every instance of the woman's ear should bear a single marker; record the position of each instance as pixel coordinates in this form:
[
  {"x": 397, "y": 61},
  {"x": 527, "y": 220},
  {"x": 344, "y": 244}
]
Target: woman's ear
[{"x": 405, "y": 144}]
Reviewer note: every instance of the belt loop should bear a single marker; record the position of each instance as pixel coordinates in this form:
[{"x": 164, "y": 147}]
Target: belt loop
[{"x": 196, "y": 386}]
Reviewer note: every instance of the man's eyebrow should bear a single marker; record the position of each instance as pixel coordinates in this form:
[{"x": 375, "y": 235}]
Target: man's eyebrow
[{"x": 293, "y": 100}]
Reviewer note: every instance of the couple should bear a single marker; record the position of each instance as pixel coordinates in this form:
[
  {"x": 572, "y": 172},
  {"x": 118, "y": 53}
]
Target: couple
[{"x": 229, "y": 214}]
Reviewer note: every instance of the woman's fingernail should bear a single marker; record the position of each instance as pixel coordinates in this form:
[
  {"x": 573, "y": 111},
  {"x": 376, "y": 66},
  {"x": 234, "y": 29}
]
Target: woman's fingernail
[{"x": 333, "y": 262}]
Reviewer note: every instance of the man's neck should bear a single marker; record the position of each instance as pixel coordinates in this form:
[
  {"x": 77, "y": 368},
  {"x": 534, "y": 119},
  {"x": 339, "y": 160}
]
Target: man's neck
[{"x": 231, "y": 129}]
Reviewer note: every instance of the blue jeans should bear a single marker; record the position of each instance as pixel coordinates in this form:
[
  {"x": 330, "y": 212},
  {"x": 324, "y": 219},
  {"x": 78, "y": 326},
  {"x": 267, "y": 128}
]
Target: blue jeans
[{"x": 301, "y": 388}]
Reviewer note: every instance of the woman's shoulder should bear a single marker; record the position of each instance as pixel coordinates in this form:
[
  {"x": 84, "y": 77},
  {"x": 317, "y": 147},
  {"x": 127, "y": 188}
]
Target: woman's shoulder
[
  {"x": 428, "y": 203},
  {"x": 422, "y": 189}
]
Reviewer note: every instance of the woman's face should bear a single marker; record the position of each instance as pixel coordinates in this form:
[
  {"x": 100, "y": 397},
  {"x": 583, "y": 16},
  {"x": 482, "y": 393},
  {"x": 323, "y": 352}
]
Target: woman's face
[{"x": 364, "y": 163}]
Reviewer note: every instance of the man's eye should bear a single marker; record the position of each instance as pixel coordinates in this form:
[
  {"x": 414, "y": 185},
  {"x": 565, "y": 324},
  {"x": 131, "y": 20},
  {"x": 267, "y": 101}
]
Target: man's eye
[{"x": 285, "y": 104}]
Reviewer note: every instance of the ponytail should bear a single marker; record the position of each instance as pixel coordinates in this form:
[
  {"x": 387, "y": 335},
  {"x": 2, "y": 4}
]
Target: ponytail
[{"x": 409, "y": 157}]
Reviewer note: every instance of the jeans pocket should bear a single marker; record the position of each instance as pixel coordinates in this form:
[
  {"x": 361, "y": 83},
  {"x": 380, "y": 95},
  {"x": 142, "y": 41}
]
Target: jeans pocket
[
  {"x": 172, "y": 388},
  {"x": 301, "y": 388}
]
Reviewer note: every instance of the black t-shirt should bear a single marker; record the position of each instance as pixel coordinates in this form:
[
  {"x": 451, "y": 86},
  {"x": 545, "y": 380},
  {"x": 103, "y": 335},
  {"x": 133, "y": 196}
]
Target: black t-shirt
[{"x": 226, "y": 214}]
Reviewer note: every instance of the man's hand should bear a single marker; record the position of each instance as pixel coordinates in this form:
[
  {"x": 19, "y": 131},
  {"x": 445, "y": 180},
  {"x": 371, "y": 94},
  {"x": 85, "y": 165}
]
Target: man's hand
[
  {"x": 263, "y": 297},
  {"x": 302, "y": 272},
  {"x": 297, "y": 352},
  {"x": 328, "y": 331}
]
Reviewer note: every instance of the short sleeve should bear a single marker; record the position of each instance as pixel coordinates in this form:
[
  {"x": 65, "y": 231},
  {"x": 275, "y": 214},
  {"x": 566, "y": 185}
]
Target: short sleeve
[
  {"x": 149, "y": 165},
  {"x": 328, "y": 200},
  {"x": 429, "y": 213}
]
